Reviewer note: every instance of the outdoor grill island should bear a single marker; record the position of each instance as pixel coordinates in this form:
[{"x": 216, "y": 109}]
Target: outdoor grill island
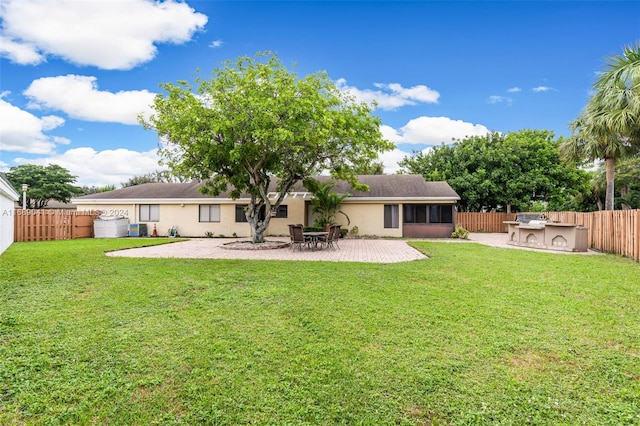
[{"x": 537, "y": 232}]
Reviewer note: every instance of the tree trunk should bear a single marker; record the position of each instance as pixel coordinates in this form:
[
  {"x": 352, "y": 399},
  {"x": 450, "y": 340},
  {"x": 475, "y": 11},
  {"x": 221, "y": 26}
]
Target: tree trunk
[
  {"x": 598, "y": 203},
  {"x": 258, "y": 236},
  {"x": 508, "y": 207},
  {"x": 624, "y": 191},
  {"x": 610, "y": 170},
  {"x": 258, "y": 227}
]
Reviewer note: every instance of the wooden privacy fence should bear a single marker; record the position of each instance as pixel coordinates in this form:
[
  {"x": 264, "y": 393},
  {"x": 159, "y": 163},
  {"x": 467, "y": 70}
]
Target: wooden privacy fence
[
  {"x": 616, "y": 231},
  {"x": 52, "y": 224},
  {"x": 483, "y": 222},
  {"x": 612, "y": 231}
]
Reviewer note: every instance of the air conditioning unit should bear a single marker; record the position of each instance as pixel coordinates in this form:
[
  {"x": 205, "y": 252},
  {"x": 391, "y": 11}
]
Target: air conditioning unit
[{"x": 138, "y": 230}]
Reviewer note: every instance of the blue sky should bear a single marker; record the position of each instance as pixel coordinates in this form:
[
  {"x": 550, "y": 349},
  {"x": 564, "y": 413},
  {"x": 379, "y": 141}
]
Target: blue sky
[{"x": 75, "y": 74}]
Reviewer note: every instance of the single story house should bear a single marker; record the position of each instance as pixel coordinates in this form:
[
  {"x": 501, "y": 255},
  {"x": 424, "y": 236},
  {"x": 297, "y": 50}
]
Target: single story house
[
  {"x": 8, "y": 197},
  {"x": 395, "y": 206}
]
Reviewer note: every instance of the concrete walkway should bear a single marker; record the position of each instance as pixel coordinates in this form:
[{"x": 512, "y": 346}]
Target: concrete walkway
[{"x": 351, "y": 250}]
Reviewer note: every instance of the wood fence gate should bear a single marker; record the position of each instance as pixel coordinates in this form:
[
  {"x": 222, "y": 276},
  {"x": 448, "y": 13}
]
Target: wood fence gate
[
  {"x": 52, "y": 224},
  {"x": 484, "y": 222}
]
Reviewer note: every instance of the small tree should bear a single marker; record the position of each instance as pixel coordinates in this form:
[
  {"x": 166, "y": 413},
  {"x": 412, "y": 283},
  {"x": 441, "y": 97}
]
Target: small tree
[
  {"x": 325, "y": 202},
  {"x": 253, "y": 121},
  {"x": 45, "y": 183}
]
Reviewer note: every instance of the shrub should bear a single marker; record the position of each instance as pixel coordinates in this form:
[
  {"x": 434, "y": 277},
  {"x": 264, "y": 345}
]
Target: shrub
[{"x": 461, "y": 233}]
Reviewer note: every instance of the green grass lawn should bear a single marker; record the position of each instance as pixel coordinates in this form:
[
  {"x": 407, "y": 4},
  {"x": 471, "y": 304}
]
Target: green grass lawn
[{"x": 472, "y": 335}]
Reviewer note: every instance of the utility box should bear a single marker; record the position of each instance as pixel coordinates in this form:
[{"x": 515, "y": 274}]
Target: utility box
[
  {"x": 110, "y": 227},
  {"x": 138, "y": 230}
]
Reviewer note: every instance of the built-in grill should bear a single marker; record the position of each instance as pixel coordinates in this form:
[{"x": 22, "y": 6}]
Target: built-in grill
[
  {"x": 535, "y": 231},
  {"x": 528, "y": 217}
]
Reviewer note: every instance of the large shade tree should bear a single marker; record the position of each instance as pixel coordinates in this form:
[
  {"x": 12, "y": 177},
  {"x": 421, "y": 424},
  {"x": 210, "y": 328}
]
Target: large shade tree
[
  {"x": 608, "y": 129},
  {"x": 498, "y": 171},
  {"x": 253, "y": 121}
]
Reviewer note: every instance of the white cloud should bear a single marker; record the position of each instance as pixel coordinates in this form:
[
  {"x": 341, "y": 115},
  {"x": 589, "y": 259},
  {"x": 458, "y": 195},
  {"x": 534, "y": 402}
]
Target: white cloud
[
  {"x": 100, "y": 168},
  {"x": 494, "y": 99},
  {"x": 79, "y": 97},
  {"x": 514, "y": 90},
  {"x": 24, "y": 132},
  {"x": 541, "y": 89},
  {"x": 20, "y": 53},
  {"x": 391, "y": 96},
  {"x": 216, "y": 43},
  {"x": 50, "y": 122},
  {"x": 432, "y": 131},
  {"x": 107, "y": 34},
  {"x": 391, "y": 159}
]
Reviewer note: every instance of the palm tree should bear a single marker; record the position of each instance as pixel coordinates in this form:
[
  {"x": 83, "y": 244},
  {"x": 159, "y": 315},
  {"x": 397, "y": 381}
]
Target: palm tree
[
  {"x": 588, "y": 143},
  {"x": 326, "y": 204},
  {"x": 609, "y": 126},
  {"x": 618, "y": 94}
]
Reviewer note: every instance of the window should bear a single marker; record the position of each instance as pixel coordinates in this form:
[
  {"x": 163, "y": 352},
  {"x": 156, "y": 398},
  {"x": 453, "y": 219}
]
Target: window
[
  {"x": 415, "y": 213},
  {"x": 209, "y": 213},
  {"x": 440, "y": 214},
  {"x": 282, "y": 212},
  {"x": 241, "y": 215},
  {"x": 149, "y": 212},
  {"x": 391, "y": 216}
]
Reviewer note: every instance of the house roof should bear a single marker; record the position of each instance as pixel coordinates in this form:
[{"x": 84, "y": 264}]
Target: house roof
[
  {"x": 7, "y": 190},
  {"x": 394, "y": 186},
  {"x": 380, "y": 187},
  {"x": 153, "y": 191}
]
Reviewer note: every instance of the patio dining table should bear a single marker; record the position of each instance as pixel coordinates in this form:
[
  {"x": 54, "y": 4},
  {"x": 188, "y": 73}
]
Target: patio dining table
[{"x": 314, "y": 238}]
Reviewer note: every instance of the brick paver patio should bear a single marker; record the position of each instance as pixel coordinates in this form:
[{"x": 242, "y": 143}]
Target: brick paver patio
[{"x": 351, "y": 250}]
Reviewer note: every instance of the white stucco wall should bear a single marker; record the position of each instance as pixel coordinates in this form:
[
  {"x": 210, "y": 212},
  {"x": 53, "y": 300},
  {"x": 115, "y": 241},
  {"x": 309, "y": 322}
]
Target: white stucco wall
[
  {"x": 367, "y": 215},
  {"x": 8, "y": 196},
  {"x": 186, "y": 216}
]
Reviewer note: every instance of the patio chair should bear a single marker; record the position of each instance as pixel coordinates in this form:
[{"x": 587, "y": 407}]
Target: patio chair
[
  {"x": 291, "y": 234},
  {"x": 297, "y": 237},
  {"x": 324, "y": 240},
  {"x": 334, "y": 235}
]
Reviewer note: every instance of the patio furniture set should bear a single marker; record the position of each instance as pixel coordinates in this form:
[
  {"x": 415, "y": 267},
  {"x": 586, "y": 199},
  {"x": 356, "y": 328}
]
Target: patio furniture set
[{"x": 313, "y": 240}]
